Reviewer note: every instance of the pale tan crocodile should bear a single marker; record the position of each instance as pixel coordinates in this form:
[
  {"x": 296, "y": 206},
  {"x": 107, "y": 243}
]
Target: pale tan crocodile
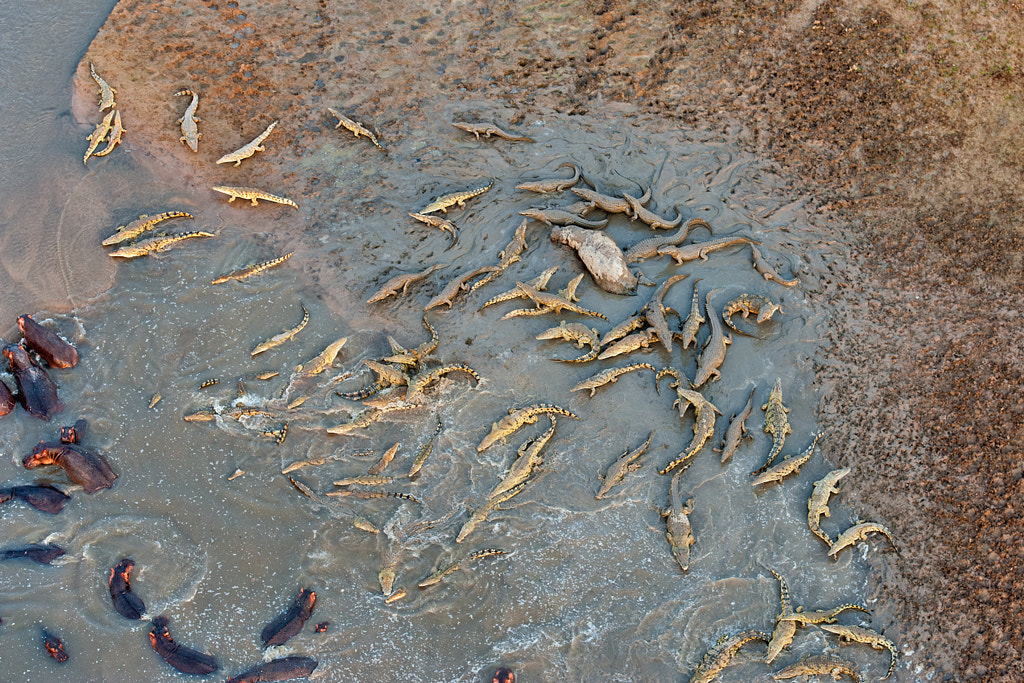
[
  {"x": 141, "y": 225},
  {"x": 700, "y": 250},
  {"x": 321, "y": 361},
  {"x": 254, "y": 269},
  {"x": 704, "y": 423},
  {"x": 859, "y": 634},
  {"x": 517, "y": 418},
  {"x": 253, "y": 195},
  {"x": 355, "y": 128},
  {"x": 190, "y": 134},
  {"x": 782, "y": 634},
  {"x": 106, "y": 92},
  {"x": 648, "y": 248},
  {"x": 610, "y": 375},
  {"x": 678, "y": 531},
  {"x": 637, "y": 210},
  {"x": 447, "y": 568},
  {"x": 553, "y": 184},
  {"x": 483, "y": 512},
  {"x": 444, "y": 202},
  {"x": 539, "y": 283},
  {"x": 419, "y": 382},
  {"x": 859, "y": 532},
  {"x": 817, "y": 504},
  {"x": 117, "y": 131},
  {"x": 722, "y": 653},
  {"x": 691, "y": 326},
  {"x": 400, "y": 283},
  {"x": 552, "y": 303},
  {"x": 424, "y": 451},
  {"x": 156, "y": 244},
  {"x": 654, "y": 311},
  {"x": 561, "y": 217},
  {"x": 247, "y": 150},
  {"x": 787, "y": 466},
  {"x": 767, "y": 272},
  {"x": 441, "y": 223},
  {"x": 623, "y": 465},
  {"x": 98, "y": 135},
  {"x": 456, "y": 286},
  {"x": 282, "y": 337},
  {"x": 713, "y": 355},
  {"x": 776, "y": 423},
  {"x": 512, "y": 253},
  {"x": 631, "y": 342},
  {"x": 819, "y": 665},
  {"x": 630, "y": 324},
  {"x": 607, "y": 203},
  {"x": 578, "y": 333},
  {"x": 489, "y": 129},
  {"x": 737, "y": 429},
  {"x": 747, "y": 304},
  {"x": 385, "y": 460}
]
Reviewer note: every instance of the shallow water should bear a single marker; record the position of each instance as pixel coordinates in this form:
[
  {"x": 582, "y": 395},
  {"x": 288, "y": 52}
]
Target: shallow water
[{"x": 588, "y": 590}]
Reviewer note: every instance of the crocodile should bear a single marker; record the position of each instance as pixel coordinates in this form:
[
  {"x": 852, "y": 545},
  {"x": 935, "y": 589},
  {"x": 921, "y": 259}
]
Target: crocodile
[
  {"x": 440, "y": 223},
  {"x": 689, "y": 328},
  {"x": 528, "y": 458},
  {"x": 637, "y": 210},
  {"x": 703, "y": 426},
  {"x": 553, "y": 184},
  {"x": 539, "y": 283},
  {"x": 817, "y": 504},
  {"x": 363, "y": 494},
  {"x": 677, "y": 523},
  {"x": 822, "y": 616},
  {"x": 447, "y": 568},
  {"x": 140, "y": 225},
  {"x": 444, "y": 202},
  {"x": 482, "y": 512},
  {"x": 489, "y": 129},
  {"x": 384, "y": 460},
  {"x": 411, "y": 358},
  {"x": 457, "y": 285},
  {"x": 270, "y": 374},
  {"x": 721, "y": 654},
  {"x": 322, "y": 361},
  {"x": 424, "y": 452},
  {"x": 850, "y": 634},
  {"x": 156, "y": 244},
  {"x": 153, "y": 401},
  {"x": 713, "y": 354},
  {"x": 517, "y": 418},
  {"x": 569, "y": 291},
  {"x": 106, "y": 92},
  {"x": 776, "y": 423},
  {"x": 782, "y": 634},
  {"x": 364, "y": 480},
  {"x": 761, "y": 306},
  {"x": 400, "y": 283},
  {"x": 654, "y": 311},
  {"x": 506, "y": 257},
  {"x": 737, "y": 429},
  {"x": 648, "y": 248},
  {"x": 623, "y": 465},
  {"x": 117, "y": 131},
  {"x": 387, "y": 376},
  {"x": 355, "y": 128},
  {"x": 190, "y": 134},
  {"x": 700, "y": 250},
  {"x": 630, "y": 343},
  {"x": 252, "y": 194},
  {"x": 787, "y": 466},
  {"x": 282, "y": 337},
  {"x": 254, "y": 269},
  {"x": 420, "y": 381},
  {"x": 561, "y": 217},
  {"x": 552, "y": 303},
  {"x": 395, "y": 597},
  {"x": 766, "y": 270},
  {"x": 607, "y": 203},
  {"x": 200, "y": 416},
  {"x": 248, "y": 150},
  {"x": 630, "y": 324},
  {"x": 859, "y": 532},
  {"x": 208, "y": 383},
  {"x": 819, "y": 665},
  {"x": 574, "y": 332},
  {"x": 594, "y": 382},
  {"x": 98, "y": 135}
]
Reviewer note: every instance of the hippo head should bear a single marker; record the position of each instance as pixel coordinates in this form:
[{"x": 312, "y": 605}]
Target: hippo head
[
  {"x": 21, "y": 322},
  {"x": 18, "y": 356},
  {"x": 42, "y": 454}
]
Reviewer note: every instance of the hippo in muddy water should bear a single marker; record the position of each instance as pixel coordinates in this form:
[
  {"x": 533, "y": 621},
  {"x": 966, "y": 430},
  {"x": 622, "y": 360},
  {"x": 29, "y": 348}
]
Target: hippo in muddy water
[
  {"x": 36, "y": 391},
  {"x": 184, "y": 659},
  {"x": 82, "y": 466},
  {"x": 50, "y": 347}
]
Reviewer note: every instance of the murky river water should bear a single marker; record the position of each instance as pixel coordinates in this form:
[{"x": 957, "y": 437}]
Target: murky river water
[{"x": 589, "y": 589}]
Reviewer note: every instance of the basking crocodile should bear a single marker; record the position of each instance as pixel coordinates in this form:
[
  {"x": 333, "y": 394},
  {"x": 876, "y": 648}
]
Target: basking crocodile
[
  {"x": 819, "y": 665},
  {"x": 574, "y": 332},
  {"x": 254, "y": 269},
  {"x": 146, "y": 247},
  {"x": 552, "y": 217},
  {"x": 623, "y": 465},
  {"x": 607, "y": 203},
  {"x": 787, "y": 466},
  {"x": 594, "y": 382},
  {"x": 722, "y": 653},
  {"x": 400, "y": 283},
  {"x": 704, "y": 424},
  {"x": 517, "y": 418},
  {"x": 691, "y": 326},
  {"x": 106, "y": 92},
  {"x": 249, "y": 149},
  {"x": 444, "y": 202},
  {"x": 747, "y": 304},
  {"x": 648, "y": 248},
  {"x": 539, "y": 283},
  {"x": 489, "y": 129},
  {"x": 776, "y": 423},
  {"x": 190, "y": 134},
  {"x": 766, "y": 270},
  {"x": 282, "y": 337},
  {"x": 677, "y": 523},
  {"x": 141, "y": 225},
  {"x": 858, "y": 634},
  {"x": 637, "y": 210},
  {"x": 859, "y": 532},
  {"x": 441, "y": 223},
  {"x": 737, "y": 429},
  {"x": 253, "y": 194},
  {"x": 655, "y": 311},
  {"x": 700, "y": 250},
  {"x": 817, "y": 504},
  {"x": 713, "y": 355},
  {"x": 355, "y": 128},
  {"x": 553, "y": 184}
]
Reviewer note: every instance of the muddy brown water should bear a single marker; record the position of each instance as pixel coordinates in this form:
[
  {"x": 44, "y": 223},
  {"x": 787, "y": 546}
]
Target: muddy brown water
[{"x": 588, "y": 589}]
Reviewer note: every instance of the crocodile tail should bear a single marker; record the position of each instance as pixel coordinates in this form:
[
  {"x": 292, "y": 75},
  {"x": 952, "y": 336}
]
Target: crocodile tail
[{"x": 365, "y": 392}]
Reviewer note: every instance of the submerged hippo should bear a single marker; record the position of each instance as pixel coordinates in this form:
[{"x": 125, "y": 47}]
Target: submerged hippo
[
  {"x": 36, "y": 391},
  {"x": 43, "y": 553},
  {"x": 184, "y": 659},
  {"x": 45, "y": 498},
  {"x": 82, "y": 466},
  {"x": 6, "y": 400},
  {"x": 126, "y": 603},
  {"x": 283, "y": 669},
  {"x": 51, "y": 348},
  {"x": 54, "y": 646},
  {"x": 286, "y": 625}
]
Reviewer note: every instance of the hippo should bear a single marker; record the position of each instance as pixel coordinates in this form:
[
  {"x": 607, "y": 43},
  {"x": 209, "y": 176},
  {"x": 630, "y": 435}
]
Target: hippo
[
  {"x": 283, "y": 669},
  {"x": 287, "y": 624},
  {"x": 73, "y": 434},
  {"x": 54, "y": 646},
  {"x": 126, "y": 603},
  {"x": 82, "y": 466},
  {"x": 36, "y": 391},
  {"x": 184, "y": 659},
  {"x": 55, "y": 351},
  {"x": 6, "y": 400},
  {"x": 43, "y": 553},
  {"x": 42, "y": 497}
]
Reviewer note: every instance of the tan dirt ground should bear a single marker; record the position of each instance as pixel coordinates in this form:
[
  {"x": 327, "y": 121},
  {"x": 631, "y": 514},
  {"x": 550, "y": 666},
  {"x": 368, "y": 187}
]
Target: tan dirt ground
[{"x": 904, "y": 120}]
